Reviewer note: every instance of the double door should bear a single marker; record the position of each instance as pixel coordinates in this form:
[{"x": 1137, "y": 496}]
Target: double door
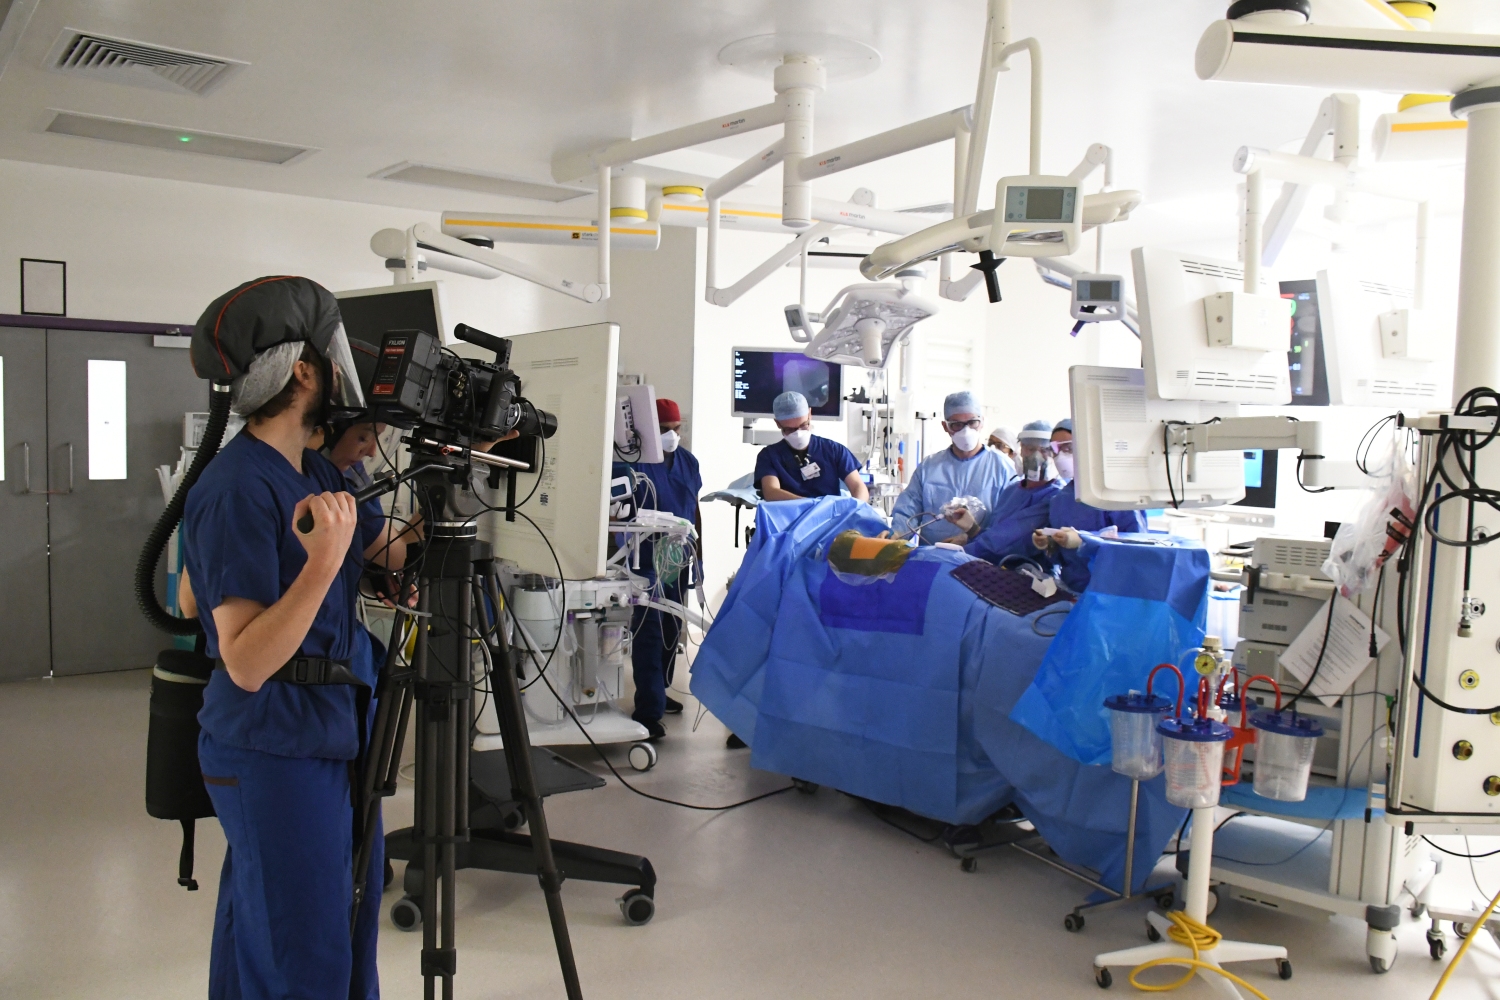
[{"x": 87, "y": 418}]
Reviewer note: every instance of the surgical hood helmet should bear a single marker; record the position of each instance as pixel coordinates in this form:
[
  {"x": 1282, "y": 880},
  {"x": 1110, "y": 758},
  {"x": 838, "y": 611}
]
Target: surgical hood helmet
[{"x": 253, "y": 335}]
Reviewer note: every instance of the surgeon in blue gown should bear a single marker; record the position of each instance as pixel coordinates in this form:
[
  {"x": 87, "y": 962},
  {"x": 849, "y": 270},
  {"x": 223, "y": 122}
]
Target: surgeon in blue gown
[
  {"x": 966, "y": 468},
  {"x": 276, "y": 754},
  {"x": 1022, "y": 506},
  {"x": 653, "y": 651},
  {"x": 1065, "y": 510},
  {"x": 802, "y": 465}
]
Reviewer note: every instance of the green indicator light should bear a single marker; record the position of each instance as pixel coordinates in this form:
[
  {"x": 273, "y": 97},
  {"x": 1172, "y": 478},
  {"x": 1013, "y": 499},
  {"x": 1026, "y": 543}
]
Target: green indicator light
[
  {"x": 185, "y": 138},
  {"x": 1297, "y": 349}
]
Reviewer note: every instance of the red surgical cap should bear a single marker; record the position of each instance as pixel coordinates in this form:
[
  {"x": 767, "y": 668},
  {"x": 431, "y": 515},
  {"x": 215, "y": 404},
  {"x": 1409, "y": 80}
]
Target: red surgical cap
[{"x": 667, "y": 412}]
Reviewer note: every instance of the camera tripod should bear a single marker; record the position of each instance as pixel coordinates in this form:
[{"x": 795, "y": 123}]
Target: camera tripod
[{"x": 457, "y": 591}]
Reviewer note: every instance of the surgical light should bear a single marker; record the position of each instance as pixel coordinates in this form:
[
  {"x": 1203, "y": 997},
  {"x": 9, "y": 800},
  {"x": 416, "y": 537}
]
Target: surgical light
[{"x": 865, "y": 321}]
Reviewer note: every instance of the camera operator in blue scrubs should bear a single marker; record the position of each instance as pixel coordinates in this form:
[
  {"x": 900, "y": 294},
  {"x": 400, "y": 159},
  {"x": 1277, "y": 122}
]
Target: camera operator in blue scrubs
[
  {"x": 286, "y": 715},
  {"x": 802, "y": 465}
]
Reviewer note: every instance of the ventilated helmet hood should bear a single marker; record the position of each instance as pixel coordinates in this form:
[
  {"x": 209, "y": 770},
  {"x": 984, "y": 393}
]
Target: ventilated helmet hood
[{"x": 248, "y": 321}]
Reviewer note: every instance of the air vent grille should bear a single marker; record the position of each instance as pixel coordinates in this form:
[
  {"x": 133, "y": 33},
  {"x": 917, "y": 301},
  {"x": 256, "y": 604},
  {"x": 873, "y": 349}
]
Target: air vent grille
[
  {"x": 555, "y": 363},
  {"x": 1227, "y": 380},
  {"x": 1210, "y": 270},
  {"x": 1394, "y": 291},
  {"x": 1394, "y": 387},
  {"x": 125, "y": 61}
]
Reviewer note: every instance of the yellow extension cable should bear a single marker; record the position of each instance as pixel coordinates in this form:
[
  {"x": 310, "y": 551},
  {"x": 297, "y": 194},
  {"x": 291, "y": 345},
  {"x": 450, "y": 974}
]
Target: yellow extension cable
[
  {"x": 1200, "y": 937},
  {"x": 1468, "y": 940}
]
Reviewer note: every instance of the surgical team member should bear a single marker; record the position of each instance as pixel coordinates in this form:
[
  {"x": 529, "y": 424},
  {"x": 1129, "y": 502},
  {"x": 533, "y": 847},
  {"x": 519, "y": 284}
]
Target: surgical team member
[
  {"x": 1064, "y": 510},
  {"x": 1022, "y": 507},
  {"x": 801, "y": 464},
  {"x": 1003, "y": 440},
  {"x": 653, "y": 651},
  {"x": 276, "y": 751},
  {"x": 966, "y": 468}
]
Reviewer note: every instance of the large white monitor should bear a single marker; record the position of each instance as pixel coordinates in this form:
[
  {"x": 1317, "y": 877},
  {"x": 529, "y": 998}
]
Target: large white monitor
[
  {"x": 1179, "y": 361},
  {"x": 1368, "y": 366},
  {"x": 1119, "y": 450},
  {"x": 369, "y": 313},
  {"x": 570, "y": 373},
  {"x": 758, "y": 375}
]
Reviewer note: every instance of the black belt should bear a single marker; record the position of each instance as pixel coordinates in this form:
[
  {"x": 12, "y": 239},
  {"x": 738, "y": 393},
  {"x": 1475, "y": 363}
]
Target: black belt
[{"x": 312, "y": 670}]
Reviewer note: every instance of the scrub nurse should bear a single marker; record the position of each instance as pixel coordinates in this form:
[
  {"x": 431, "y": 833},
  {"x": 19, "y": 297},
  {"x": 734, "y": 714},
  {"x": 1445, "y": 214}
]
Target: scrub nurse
[
  {"x": 966, "y": 468},
  {"x": 802, "y": 465},
  {"x": 1022, "y": 507},
  {"x": 276, "y": 753}
]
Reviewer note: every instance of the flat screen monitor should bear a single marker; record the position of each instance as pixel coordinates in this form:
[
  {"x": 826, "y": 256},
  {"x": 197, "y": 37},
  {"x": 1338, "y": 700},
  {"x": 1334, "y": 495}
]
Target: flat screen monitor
[
  {"x": 1119, "y": 458},
  {"x": 370, "y": 313},
  {"x": 759, "y": 375},
  {"x": 1305, "y": 364},
  {"x": 1364, "y": 371},
  {"x": 1179, "y": 361},
  {"x": 1260, "y": 479}
]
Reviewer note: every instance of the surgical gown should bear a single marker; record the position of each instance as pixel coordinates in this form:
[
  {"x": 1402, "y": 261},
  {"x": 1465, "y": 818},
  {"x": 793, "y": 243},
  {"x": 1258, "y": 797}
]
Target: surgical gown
[
  {"x": 939, "y": 479},
  {"x": 1065, "y": 510},
  {"x": 1019, "y": 512}
]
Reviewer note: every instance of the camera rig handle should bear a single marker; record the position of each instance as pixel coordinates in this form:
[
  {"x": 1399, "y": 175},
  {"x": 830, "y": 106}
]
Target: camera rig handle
[{"x": 488, "y": 341}]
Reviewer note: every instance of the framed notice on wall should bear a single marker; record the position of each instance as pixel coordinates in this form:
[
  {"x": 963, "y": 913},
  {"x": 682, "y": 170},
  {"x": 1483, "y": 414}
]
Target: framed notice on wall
[{"x": 44, "y": 287}]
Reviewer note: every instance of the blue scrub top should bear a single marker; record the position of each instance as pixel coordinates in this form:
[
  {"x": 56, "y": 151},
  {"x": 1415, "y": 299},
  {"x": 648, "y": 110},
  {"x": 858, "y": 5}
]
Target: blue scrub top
[
  {"x": 1018, "y": 513},
  {"x": 239, "y": 542},
  {"x": 833, "y": 460},
  {"x": 943, "y": 476},
  {"x": 1065, "y": 510}
]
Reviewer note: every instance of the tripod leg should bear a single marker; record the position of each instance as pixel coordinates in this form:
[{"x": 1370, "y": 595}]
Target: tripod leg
[
  {"x": 384, "y": 744},
  {"x": 508, "y": 711}
]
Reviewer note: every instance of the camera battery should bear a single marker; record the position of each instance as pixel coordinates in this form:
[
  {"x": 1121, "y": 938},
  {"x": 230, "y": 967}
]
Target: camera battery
[{"x": 403, "y": 375}]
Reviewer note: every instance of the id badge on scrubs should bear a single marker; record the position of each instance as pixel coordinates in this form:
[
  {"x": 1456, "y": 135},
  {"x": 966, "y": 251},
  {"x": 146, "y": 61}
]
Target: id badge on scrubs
[{"x": 811, "y": 471}]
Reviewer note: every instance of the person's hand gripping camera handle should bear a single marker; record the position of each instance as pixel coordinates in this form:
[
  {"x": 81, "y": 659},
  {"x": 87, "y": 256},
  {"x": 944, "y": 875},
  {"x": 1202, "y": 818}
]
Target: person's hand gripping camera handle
[{"x": 325, "y": 527}]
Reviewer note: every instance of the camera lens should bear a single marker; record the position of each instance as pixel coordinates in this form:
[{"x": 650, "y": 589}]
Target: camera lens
[{"x": 535, "y": 422}]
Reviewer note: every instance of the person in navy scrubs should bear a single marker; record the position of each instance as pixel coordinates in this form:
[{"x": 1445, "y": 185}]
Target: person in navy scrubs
[
  {"x": 802, "y": 465},
  {"x": 653, "y": 652},
  {"x": 276, "y": 752}
]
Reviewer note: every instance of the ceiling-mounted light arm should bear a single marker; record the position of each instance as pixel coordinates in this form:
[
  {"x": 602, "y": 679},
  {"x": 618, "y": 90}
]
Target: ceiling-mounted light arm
[
  {"x": 916, "y": 135},
  {"x": 1096, "y": 156},
  {"x": 948, "y": 288},
  {"x": 727, "y": 296},
  {"x": 996, "y": 38},
  {"x": 391, "y": 246},
  {"x": 967, "y": 232},
  {"x": 980, "y": 140},
  {"x": 604, "y": 231},
  {"x": 1338, "y": 116},
  {"x": 746, "y": 171},
  {"x": 433, "y": 237},
  {"x": 574, "y": 167}
]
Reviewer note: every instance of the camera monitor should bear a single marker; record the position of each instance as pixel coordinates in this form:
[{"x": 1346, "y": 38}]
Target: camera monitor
[
  {"x": 370, "y": 313},
  {"x": 1120, "y": 460},
  {"x": 759, "y": 375},
  {"x": 1380, "y": 350}
]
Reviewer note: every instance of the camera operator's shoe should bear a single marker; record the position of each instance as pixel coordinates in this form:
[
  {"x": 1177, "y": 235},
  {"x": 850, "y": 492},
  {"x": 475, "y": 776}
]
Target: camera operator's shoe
[
  {"x": 674, "y": 707},
  {"x": 655, "y": 730}
]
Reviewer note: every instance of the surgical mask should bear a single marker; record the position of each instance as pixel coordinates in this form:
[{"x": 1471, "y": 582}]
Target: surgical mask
[
  {"x": 669, "y": 440},
  {"x": 966, "y": 439},
  {"x": 799, "y": 439},
  {"x": 1064, "y": 462},
  {"x": 1034, "y": 468}
]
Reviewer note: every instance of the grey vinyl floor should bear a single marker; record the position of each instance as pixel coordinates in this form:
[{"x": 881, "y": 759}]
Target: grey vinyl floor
[{"x": 796, "y": 896}]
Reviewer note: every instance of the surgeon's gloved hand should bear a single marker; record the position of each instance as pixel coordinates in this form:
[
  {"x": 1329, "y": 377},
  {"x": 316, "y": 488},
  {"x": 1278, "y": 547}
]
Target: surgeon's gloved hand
[
  {"x": 327, "y": 539},
  {"x": 1056, "y": 538},
  {"x": 961, "y": 517}
]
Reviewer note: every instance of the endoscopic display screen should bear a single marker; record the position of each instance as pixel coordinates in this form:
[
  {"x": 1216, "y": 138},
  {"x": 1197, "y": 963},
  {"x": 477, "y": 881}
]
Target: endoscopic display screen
[
  {"x": 758, "y": 377},
  {"x": 1305, "y": 364}
]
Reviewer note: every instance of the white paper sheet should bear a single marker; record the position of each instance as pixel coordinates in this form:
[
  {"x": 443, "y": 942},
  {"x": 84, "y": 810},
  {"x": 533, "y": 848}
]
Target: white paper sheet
[{"x": 1348, "y": 652}]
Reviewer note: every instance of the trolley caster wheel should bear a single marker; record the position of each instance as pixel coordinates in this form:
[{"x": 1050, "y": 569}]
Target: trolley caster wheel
[
  {"x": 642, "y": 756},
  {"x": 1435, "y": 947},
  {"x": 1152, "y": 934},
  {"x": 1284, "y": 968},
  {"x": 390, "y": 874},
  {"x": 1103, "y": 978},
  {"x": 406, "y": 914},
  {"x": 637, "y": 907},
  {"x": 1460, "y": 931},
  {"x": 1166, "y": 900},
  {"x": 1073, "y": 923},
  {"x": 969, "y": 865},
  {"x": 1213, "y": 899},
  {"x": 1379, "y": 966},
  {"x": 805, "y": 787}
]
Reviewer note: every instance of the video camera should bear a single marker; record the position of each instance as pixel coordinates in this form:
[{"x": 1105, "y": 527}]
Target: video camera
[{"x": 419, "y": 384}]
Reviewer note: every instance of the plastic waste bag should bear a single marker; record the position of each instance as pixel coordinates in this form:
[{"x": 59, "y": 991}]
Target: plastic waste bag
[{"x": 1362, "y": 546}]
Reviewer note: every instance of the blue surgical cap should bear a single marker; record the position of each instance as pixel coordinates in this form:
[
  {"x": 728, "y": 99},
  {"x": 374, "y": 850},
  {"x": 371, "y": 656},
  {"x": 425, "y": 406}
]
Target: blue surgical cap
[
  {"x": 1065, "y": 424},
  {"x": 1037, "y": 430},
  {"x": 960, "y": 402},
  {"x": 790, "y": 405}
]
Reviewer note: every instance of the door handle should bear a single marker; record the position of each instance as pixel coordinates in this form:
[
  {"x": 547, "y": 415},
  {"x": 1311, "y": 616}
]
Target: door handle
[
  {"x": 70, "y": 469},
  {"x": 26, "y": 468},
  {"x": 26, "y": 473}
]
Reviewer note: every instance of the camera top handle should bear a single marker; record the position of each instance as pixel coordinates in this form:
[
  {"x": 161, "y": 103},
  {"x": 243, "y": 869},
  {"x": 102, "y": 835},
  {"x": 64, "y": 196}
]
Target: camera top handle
[{"x": 488, "y": 341}]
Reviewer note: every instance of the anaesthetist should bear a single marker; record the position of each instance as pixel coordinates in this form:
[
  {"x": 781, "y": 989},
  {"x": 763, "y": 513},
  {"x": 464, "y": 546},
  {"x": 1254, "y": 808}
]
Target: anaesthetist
[
  {"x": 653, "y": 652},
  {"x": 1022, "y": 506},
  {"x": 286, "y": 714},
  {"x": 966, "y": 468},
  {"x": 801, "y": 464}
]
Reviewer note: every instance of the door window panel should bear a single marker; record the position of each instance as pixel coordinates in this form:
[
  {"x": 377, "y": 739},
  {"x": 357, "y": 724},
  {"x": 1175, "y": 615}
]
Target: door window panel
[{"x": 106, "y": 419}]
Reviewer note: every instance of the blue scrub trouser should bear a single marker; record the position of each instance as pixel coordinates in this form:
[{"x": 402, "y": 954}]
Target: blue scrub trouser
[
  {"x": 281, "y": 931},
  {"x": 653, "y": 653}
]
